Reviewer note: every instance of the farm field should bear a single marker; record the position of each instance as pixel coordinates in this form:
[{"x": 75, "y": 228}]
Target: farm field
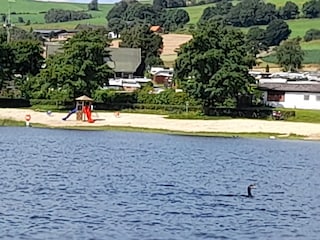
[{"x": 35, "y": 11}]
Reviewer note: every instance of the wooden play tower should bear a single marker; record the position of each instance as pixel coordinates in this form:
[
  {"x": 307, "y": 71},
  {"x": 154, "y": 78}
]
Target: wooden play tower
[{"x": 81, "y": 102}]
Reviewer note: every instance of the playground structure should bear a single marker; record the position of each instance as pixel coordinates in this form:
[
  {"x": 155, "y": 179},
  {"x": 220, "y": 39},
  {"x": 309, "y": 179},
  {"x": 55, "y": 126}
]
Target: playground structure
[{"x": 82, "y": 109}]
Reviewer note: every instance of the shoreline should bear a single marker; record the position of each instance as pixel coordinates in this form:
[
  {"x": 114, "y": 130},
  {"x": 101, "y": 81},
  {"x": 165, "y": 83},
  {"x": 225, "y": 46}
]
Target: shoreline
[{"x": 161, "y": 124}]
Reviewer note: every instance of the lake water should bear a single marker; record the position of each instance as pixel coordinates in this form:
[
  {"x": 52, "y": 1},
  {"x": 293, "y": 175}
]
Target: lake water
[{"x": 67, "y": 184}]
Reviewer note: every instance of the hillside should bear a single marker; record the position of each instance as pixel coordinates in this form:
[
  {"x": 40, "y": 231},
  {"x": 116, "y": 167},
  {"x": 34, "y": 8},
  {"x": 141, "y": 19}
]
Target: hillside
[{"x": 35, "y": 10}]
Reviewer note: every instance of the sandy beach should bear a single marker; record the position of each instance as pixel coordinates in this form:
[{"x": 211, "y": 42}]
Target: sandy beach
[{"x": 150, "y": 121}]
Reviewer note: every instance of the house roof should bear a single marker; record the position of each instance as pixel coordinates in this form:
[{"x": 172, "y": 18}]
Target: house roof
[
  {"x": 155, "y": 28},
  {"x": 125, "y": 59},
  {"x": 84, "y": 98},
  {"x": 291, "y": 87},
  {"x": 49, "y": 31}
]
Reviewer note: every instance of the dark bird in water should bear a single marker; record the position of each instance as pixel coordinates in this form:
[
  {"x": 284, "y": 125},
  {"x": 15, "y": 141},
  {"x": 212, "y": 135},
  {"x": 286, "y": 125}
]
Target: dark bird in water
[{"x": 251, "y": 186}]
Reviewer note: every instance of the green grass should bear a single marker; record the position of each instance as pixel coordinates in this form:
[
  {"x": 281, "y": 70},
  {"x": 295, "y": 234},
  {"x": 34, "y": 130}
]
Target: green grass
[
  {"x": 300, "y": 26},
  {"x": 195, "y": 12},
  {"x": 34, "y": 11},
  {"x": 280, "y": 3},
  {"x": 302, "y": 115},
  {"x": 9, "y": 122},
  {"x": 310, "y": 57}
]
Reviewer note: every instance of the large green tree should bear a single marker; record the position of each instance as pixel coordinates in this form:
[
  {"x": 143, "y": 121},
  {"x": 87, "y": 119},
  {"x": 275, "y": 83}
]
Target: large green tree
[
  {"x": 277, "y": 31},
  {"x": 252, "y": 12},
  {"x": 28, "y": 56},
  {"x": 289, "y": 11},
  {"x": 151, "y": 44},
  {"x": 6, "y": 64},
  {"x": 213, "y": 65},
  {"x": 80, "y": 69},
  {"x": 290, "y": 55},
  {"x": 311, "y": 9}
]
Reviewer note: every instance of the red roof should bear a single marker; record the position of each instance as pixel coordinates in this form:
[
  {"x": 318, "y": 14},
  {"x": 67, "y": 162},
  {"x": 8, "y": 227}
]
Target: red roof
[{"x": 155, "y": 28}]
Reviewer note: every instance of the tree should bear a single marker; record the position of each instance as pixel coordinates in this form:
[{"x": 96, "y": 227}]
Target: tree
[
  {"x": 277, "y": 31},
  {"x": 158, "y": 5},
  {"x": 60, "y": 15},
  {"x": 290, "y": 55},
  {"x": 27, "y": 56},
  {"x": 116, "y": 25},
  {"x": 221, "y": 9},
  {"x": 6, "y": 64},
  {"x": 117, "y": 10},
  {"x": 311, "y": 9},
  {"x": 151, "y": 44},
  {"x": 175, "y": 3},
  {"x": 289, "y": 11},
  {"x": 139, "y": 12},
  {"x": 80, "y": 69},
  {"x": 214, "y": 64},
  {"x": 175, "y": 18},
  {"x": 256, "y": 40},
  {"x": 93, "y": 5},
  {"x": 312, "y": 34},
  {"x": 252, "y": 12}
]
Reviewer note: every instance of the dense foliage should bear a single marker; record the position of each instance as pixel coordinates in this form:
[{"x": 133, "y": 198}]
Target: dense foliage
[
  {"x": 260, "y": 39},
  {"x": 312, "y": 34},
  {"x": 213, "y": 65},
  {"x": 19, "y": 59},
  {"x": 60, "y": 15},
  {"x": 290, "y": 55},
  {"x": 151, "y": 44},
  {"x": 249, "y": 12},
  {"x": 311, "y": 9},
  {"x": 126, "y": 14},
  {"x": 80, "y": 69},
  {"x": 93, "y": 5}
]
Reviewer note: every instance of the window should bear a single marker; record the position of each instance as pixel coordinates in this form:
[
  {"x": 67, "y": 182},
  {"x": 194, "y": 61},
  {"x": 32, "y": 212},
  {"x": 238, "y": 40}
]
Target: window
[
  {"x": 318, "y": 98},
  {"x": 306, "y": 97},
  {"x": 275, "y": 96}
]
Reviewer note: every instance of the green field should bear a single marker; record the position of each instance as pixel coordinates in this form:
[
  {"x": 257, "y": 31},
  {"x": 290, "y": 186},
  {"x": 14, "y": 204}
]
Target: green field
[
  {"x": 196, "y": 12},
  {"x": 311, "y": 53},
  {"x": 34, "y": 11},
  {"x": 279, "y": 3}
]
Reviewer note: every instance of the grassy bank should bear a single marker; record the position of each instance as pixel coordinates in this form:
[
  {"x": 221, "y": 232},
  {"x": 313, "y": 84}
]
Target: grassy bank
[{"x": 9, "y": 122}]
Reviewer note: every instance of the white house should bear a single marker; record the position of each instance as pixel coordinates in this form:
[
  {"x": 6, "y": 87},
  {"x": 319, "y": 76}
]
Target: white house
[{"x": 291, "y": 94}]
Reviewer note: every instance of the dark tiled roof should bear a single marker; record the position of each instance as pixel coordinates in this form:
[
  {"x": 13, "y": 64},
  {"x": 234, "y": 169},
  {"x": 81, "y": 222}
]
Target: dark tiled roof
[
  {"x": 291, "y": 87},
  {"x": 126, "y": 59},
  {"x": 49, "y": 31}
]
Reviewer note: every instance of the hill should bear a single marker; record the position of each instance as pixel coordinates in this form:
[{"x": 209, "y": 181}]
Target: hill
[{"x": 35, "y": 10}]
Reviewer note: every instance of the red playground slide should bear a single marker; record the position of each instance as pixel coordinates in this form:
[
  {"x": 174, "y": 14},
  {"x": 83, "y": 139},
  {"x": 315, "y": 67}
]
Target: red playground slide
[{"x": 86, "y": 110}]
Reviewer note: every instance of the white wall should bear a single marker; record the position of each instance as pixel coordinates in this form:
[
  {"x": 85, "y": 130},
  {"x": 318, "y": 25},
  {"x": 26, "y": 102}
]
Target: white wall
[{"x": 296, "y": 100}]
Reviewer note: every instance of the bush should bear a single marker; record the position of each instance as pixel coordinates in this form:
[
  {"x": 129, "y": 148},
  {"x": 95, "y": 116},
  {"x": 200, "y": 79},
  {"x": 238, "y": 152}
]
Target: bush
[
  {"x": 112, "y": 96},
  {"x": 312, "y": 34}
]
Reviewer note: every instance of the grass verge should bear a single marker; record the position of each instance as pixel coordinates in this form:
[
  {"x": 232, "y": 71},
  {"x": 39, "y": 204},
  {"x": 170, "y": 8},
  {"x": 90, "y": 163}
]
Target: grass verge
[{"x": 10, "y": 122}]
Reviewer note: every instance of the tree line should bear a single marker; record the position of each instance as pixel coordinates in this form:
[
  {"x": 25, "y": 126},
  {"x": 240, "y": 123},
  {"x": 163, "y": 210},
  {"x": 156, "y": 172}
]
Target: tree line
[
  {"x": 254, "y": 12},
  {"x": 126, "y": 14},
  {"x": 60, "y": 15}
]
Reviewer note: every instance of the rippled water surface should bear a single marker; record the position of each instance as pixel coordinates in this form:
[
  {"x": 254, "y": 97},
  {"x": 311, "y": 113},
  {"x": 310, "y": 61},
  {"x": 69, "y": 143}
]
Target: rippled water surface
[{"x": 66, "y": 184}]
